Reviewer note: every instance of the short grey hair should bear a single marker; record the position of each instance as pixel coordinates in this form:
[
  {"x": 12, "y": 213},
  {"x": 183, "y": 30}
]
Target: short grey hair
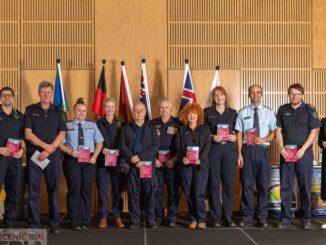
[{"x": 44, "y": 84}]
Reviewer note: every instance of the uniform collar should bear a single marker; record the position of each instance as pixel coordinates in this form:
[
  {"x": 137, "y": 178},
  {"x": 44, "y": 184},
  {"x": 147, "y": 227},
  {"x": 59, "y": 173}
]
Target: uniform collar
[
  {"x": 170, "y": 120},
  {"x": 39, "y": 105},
  {"x": 225, "y": 110},
  {"x": 252, "y": 107},
  {"x": 300, "y": 107},
  {"x": 13, "y": 111},
  {"x": 82, "y": 122}
]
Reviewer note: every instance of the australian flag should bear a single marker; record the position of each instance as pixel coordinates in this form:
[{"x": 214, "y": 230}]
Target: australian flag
[
  {"x": 188, "y": 92},
  {"x": 144, "y": 94}
]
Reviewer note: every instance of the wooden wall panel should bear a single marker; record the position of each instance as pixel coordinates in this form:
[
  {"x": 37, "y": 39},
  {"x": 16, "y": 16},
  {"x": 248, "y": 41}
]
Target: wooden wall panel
[
  {"x": 57, "y": 29},
  {"x": 9, "y": 46},
  {"x": 319, "y": 34},
  {"x": 205, "y": 32}
]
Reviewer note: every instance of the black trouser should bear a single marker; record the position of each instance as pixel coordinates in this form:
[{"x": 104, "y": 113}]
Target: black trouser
[
  {"x": 303, "y": 169},
  {"x": 168, "y": 176},
  {"x": 256, "y": 168},
  {"x": 80, "y": 178},
  {"x": 136, "y": 188},
  {"x": 105, "y": 175},
  {"x": 194, "y": 181},
  {"x": 222, "y": 158},
  {"x": 52, "y": 180},
  {"x": 10, "y": 175}
]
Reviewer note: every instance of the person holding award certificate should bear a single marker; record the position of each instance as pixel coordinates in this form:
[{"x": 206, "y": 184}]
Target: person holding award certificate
[
  {"x": 139, "y": 144},
  {"x": 81, "y": 148},
  {"x": 44, "y": 132},
  {"x": 255, "y": 125},
  {"x": 107, "y": 170},
  {"x": 222, "y": 157},
  {"x": 11, "y": 150},
  {"x": 165, "y": 166},
  {"x": 193, "y": 143},
  {"x": 297, "y": 128}
]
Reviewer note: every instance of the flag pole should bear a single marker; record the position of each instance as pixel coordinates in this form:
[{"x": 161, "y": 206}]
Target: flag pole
[{"x": 61, "y": 85}]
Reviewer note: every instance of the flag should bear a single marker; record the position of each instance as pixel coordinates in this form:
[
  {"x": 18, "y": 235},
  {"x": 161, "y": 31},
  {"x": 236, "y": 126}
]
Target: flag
[
  {"x": 125, "y": 104},
  {"x": 59, "y": 97},
  {"x": 100, "y": 94},
  {"x": 188, "y": 92},
  {"x": 144, "y": 94},
  {"x": 215, "y": 82}
]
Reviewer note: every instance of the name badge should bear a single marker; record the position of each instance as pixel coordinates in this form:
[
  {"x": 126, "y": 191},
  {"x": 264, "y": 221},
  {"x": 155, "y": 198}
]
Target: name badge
[
  {"x": 35, "y": 115},
  {"x": 246, "y": 118}
]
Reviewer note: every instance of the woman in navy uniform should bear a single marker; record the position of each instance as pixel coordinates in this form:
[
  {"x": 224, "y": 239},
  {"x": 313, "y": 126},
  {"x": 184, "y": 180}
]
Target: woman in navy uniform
[
  {"x": 11, "y": 127},
  {"x": 194, "y": 175},
  {"x": 222, "y": 157},
  {"x": 80, "y": 175},
  {"x": 110, "y": 127}
]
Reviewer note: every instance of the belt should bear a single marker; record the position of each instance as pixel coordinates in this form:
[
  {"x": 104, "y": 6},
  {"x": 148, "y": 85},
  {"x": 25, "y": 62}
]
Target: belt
[{"x": 256, "y": 146}]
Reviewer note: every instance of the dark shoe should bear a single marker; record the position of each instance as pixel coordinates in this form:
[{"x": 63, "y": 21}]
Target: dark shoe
[
  {"x": 55, "y": 230},
  {"x": 134, "y": 226},
  {"x": 306, "y": 225},
  {"x": 152, "y": 226},
  {"x": 84, "y": 227},
  {"x": 229, "y": 223},
  {"x": 75, "y": 228},
  {"x": 282, "y": 225},
  {"x": 244, "y": 224},
  {"x": 8, "y": 226},
  {"x": 262, "y": 223},
  {"x": 172, "y": 224}
]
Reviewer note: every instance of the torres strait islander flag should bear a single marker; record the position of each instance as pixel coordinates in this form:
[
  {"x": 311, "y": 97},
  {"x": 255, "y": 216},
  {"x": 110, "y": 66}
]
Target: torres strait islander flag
[
  {"x": 188, "y": 93},
  {"x": 59, "y": 97},
  {"x": 100, "y": 94}
]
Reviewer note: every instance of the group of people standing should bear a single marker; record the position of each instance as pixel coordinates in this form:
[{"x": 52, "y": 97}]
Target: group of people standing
[{"x": 198, "y": 152}]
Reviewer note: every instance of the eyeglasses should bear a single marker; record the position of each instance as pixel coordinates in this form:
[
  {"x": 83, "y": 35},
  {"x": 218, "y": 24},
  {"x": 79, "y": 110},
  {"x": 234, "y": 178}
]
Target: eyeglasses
[
  {"x": 295, "y": 95},
  {"x": 139, "y": 111},
  {"x": 7, "y": 95}
]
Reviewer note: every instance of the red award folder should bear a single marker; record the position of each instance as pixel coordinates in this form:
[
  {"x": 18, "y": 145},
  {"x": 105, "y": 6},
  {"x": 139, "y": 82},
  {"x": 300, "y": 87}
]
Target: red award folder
[
  {"x": 223, "y": 131},
  {"x": 111, "y": 158},
  {"x": 192, "y": 154},
  {"x": 250, "y": 136},
  {"x": 13, "y": 145},
  {"x": 145, "y": 169},
  {"x": 164, "y": 156},
  {"x": 291, "y": 150},
  {"x": 84, "y": 154}
]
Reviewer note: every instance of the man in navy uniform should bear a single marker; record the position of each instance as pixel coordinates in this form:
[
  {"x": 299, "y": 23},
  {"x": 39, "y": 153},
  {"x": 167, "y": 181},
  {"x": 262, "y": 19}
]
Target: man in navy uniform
[
  {"x": 297, "y": 124},
  {"x": 11, "y": 128},
  {"x": 253, "y": 159},
  {"x": 44, "y": 131},
  {"x": 166, "y": 171},
  {"x": 139, "y": 142}
]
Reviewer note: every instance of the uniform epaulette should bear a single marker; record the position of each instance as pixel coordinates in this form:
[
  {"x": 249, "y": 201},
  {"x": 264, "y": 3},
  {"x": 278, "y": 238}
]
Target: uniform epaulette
[{"x": 312, "y": 107}]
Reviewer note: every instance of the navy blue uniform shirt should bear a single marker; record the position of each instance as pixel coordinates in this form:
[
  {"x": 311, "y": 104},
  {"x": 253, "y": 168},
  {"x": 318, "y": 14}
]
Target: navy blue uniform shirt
[
  {"x": 297, "y": 123},
  {"x": 213, "y": 117},
  {"x": 45, "y": 124},
  {"x": 167, "y": 133},
  {"x": 11, "y": 126}
]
